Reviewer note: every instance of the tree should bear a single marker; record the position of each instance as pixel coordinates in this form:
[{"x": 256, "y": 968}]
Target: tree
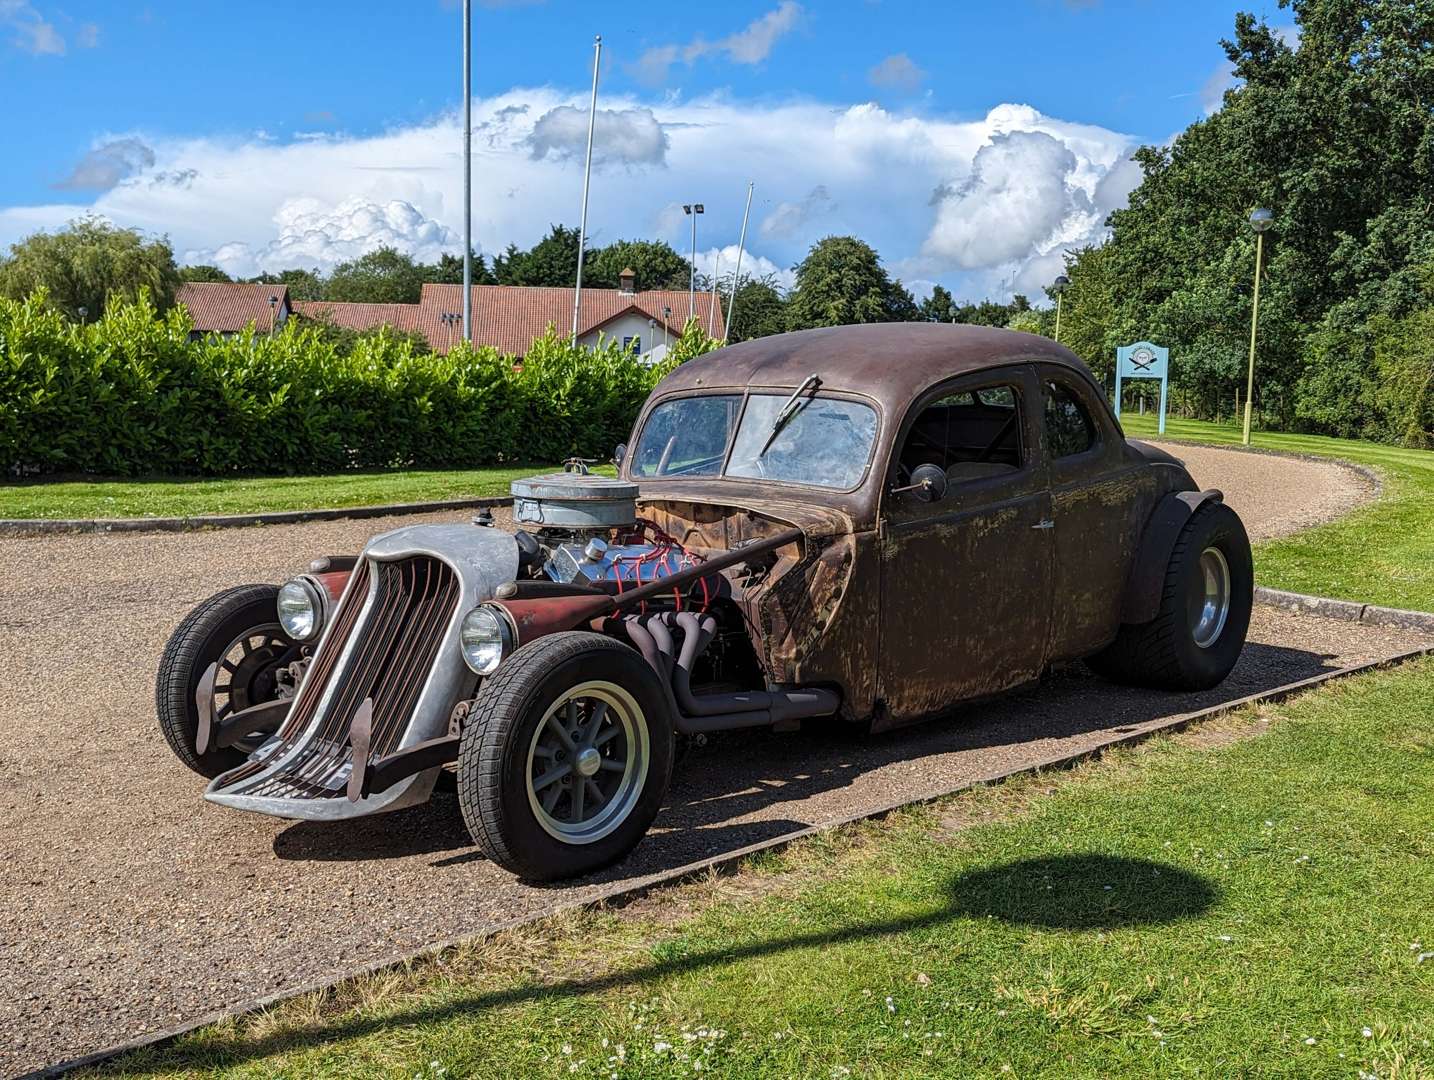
[
  {"x": 383, "y": 276},
  {"x": 655, "y": 263},
  {"x": 1336, "y": 135},
  {"x": 759, "y": 309},
  {"x": 842, "y": 281},
  {"x": 448, "y": 270},
  {"x": 939, "y": 306},
  {"x": 303, "y": 284},
  {"x": 553, "y": 260},
  {"x": 89, "y": 263},
  {"x": 203, "y": 272}
]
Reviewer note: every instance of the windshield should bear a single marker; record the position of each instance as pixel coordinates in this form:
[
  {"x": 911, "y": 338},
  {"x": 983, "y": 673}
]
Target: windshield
[{"x": 826, "y": 442}]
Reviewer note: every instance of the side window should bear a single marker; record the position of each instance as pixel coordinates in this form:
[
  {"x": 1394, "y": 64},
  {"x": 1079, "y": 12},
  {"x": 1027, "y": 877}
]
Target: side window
[
  {"x": 1069, "y": 427},
  {"x": 971, "y": 435}
]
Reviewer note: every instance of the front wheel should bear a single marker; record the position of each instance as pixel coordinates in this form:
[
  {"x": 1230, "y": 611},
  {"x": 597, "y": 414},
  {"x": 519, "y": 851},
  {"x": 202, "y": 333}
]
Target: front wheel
[
  {"x": 565, "y": 756},
  {"x": 1197, "y": 636},
  {"x": 237, "y": 629}
]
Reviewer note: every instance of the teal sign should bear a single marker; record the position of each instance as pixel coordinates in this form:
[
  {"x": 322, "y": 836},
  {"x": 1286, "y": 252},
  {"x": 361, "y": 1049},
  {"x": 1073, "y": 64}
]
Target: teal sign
[{"x": 1142, "y": 361}]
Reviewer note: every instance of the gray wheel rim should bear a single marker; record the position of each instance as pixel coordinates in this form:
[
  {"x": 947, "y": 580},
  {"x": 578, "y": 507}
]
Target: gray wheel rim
[
  {"x": 1212, "y": 607},
  {"x": 242, "y": 662},
  {"x": 587, "y": 762}
]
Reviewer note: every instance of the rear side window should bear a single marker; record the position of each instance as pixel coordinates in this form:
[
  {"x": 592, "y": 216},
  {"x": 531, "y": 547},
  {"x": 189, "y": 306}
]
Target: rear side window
[
  {"x": 972, "y": 435},
  {"x": 1069, "y": 427}
]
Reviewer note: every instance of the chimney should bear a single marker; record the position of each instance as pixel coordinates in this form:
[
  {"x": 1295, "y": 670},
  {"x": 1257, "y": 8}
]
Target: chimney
[{"x": 627, "y": 281}]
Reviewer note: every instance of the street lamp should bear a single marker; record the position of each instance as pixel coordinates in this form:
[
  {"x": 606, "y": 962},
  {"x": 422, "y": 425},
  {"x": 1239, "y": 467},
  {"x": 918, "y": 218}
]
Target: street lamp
[
  {"x": 1260, "y": 220},
  {"x": 273, "y": 312},
  {"x": 1059, "y": 287},
  {"x": 692, "y": 210},
  {"x": 666, "y": 323}
]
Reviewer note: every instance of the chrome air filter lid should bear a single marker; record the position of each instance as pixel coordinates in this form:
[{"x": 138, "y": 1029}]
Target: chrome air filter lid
[{"x": 574, "y": 501}]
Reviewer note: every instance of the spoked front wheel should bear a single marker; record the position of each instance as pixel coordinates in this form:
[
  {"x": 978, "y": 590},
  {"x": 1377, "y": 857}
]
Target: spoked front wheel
[
  {"x": 237, "y": 630},
  {"x": 566, "y": 756}
]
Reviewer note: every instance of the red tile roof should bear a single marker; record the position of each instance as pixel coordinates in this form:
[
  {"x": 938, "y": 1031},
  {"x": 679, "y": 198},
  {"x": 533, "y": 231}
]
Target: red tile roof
[
  {"x": 228, "y": 307},
  {"x": 509, "y": 317}
]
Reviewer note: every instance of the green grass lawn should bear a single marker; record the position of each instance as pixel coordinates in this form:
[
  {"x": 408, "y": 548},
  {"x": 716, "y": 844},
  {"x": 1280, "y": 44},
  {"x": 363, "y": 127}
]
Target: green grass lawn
[
  {"x": 246, "y": 495},
  {"x": 1260, "y": 908},
  {"x": 1380, "y": 554}
]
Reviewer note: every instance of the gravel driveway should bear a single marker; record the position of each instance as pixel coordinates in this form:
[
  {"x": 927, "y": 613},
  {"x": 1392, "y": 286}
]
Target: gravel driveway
[{"x": 128, "y": 904}]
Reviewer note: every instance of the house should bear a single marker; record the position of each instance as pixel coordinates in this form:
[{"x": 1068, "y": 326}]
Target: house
[
  {"x": 228, "y": 307},
  {"x": 509, "y": 317},
  {"x": 506, "y": 317}
]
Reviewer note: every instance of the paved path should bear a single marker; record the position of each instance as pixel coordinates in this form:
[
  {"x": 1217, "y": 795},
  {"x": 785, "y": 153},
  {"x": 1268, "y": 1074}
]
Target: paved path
[{"x": 127, "y": 904}]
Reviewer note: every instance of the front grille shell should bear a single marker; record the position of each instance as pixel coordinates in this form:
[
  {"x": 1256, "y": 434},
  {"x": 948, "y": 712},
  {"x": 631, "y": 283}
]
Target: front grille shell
[{"x": 392, "y": 637}]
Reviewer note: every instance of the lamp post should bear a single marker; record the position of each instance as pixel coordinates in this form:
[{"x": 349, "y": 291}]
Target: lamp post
[
  {"x": 1059, "y": 287},
  {"x": 692, "y": 210},
  {"x": 467, "y": 170},
  {"x": 273, "y": 313},
  {"x": 587, "y": 178},
  {"x": 1260, "y": 220},
  {"x": 666, "y": 323}
]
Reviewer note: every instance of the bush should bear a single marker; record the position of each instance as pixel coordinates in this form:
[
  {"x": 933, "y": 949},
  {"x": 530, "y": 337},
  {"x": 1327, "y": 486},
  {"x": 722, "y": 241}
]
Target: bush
[{"x": 131, "y": 395}]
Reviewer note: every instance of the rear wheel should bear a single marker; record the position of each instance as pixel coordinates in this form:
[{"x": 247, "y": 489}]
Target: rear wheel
[
  {"x": 1197, "y": 636},
  {"x": 565, "y": 757},
  {"x": 238, "y": 630}
]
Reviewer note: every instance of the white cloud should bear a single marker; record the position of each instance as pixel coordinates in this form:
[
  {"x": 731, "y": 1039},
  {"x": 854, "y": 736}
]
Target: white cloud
[
  {"x": 897, "y": 72},
  {"x": 632, "y": 136},
  {"x": 789, "y": 217},
  {"x": 751, "y": 45},
  {"x": 313, "y": 234},
  {"x": 722, "y": 263},
  {"x": 31, "y": 32},
  {"x": 107, "y": 164},
  {"x": 262, "y": 203},
  {"x": 87, "y": 36}
]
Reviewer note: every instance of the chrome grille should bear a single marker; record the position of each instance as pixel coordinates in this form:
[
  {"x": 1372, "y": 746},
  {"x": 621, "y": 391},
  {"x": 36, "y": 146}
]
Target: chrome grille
[{"x": 396, "y": 614}]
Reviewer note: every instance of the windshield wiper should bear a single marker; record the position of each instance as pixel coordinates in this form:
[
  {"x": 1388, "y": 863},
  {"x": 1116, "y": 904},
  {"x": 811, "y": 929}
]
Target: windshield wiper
[{"x": 789, "y": 410}]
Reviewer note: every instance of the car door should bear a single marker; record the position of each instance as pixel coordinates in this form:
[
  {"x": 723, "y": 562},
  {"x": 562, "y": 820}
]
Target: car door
[
  {"x": 1096, "y": 512},
  {"x": 966, "y": 579}
]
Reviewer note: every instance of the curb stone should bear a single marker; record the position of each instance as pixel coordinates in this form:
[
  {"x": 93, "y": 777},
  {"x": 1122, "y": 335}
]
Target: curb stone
[
  {"x": 54, "y": 526},
  {"x": 1346, "y": 610},
  {"x": 728, "y": 861}
]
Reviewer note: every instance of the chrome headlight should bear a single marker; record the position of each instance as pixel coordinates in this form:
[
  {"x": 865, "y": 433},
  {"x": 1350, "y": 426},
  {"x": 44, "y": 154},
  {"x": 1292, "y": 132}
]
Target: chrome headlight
[
  {"x": 301, "y": 609},
  {"x": 486, "y": 638}
]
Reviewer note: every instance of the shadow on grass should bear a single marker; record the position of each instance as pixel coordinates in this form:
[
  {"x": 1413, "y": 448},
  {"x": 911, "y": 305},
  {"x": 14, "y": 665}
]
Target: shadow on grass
[{"x": 1067, "y": 892}]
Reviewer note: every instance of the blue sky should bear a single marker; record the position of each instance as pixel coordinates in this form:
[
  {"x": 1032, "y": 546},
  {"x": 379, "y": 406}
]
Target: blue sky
[{"x": 971, "y": 142}]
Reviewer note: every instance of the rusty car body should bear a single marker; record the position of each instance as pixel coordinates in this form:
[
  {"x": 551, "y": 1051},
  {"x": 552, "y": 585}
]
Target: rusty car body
[{"x": 862, "y": 525}]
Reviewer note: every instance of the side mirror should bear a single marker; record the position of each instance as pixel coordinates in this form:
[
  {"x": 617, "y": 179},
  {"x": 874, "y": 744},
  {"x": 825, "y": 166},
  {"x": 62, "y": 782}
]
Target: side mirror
[
  {"x": 928, "y": 483},
  {"x": 619, "y": 454}
]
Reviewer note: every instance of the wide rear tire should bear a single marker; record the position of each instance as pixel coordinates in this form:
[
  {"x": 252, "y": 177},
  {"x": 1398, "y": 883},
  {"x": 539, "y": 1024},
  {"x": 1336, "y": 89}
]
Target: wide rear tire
[
  {"x": 1197, "y": 636},
  {"x": 565, "y": 757}
]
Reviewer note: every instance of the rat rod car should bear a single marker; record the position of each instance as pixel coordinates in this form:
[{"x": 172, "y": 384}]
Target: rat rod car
[{"x": 862, "y": 525}]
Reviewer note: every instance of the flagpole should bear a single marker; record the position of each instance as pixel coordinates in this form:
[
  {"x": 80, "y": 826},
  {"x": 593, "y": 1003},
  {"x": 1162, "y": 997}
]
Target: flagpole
[
  {"x": 467, "y": 171},
  {"x": 587, "y": 177},
  {"x": 737, "y": 275}
]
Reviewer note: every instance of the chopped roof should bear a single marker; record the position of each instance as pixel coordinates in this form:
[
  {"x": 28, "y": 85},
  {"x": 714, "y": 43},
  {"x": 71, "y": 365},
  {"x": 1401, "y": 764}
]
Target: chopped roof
[
  {"x": 227, "y": 307},
  {"x": 892, "y": 362}
]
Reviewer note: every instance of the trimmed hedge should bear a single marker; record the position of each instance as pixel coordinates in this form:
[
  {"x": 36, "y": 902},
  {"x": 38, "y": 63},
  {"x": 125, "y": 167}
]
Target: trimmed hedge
[{"x": 132, "y": 395}]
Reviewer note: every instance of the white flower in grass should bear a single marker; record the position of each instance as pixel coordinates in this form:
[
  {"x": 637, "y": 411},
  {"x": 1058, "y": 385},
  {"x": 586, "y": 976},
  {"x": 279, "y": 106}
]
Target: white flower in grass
[
  {"x": 1226, "y": 937},
  {"x": 567, "y": 1048},
  {"x": 890, "y": 1005},
  {"x": 1310, "y": 1041},
  {"x": 1424, "y": 956},
  {"x": 661, "y": 1047},
  {"x": 1367, "y": 1033}
]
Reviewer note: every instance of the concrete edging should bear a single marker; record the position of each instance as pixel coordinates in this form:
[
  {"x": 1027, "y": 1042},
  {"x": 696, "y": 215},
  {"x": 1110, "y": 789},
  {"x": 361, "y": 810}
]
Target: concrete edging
[
  {"x": 1346, "y": 610},
  {"x": 56, "y": 526},
  {"x": 728, "y": 860}
]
